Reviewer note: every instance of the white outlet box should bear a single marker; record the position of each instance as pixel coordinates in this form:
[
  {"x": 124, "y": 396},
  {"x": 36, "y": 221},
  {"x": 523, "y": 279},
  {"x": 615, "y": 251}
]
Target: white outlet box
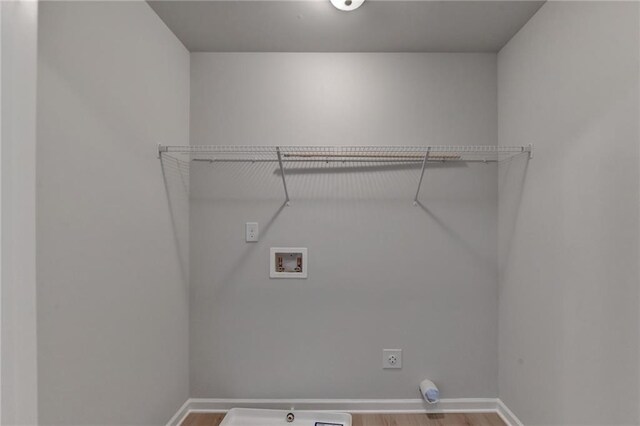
[
  {"x": 288, "y": 262},
  {"x": 251, "y": 232},
  {"x": 392, "y": 358}
]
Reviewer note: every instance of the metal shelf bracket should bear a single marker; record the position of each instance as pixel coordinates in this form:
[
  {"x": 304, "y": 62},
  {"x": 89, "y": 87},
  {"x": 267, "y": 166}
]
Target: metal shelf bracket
[
  {"x": 424, "y": 164},
  {"x": 284, "y": 180}
]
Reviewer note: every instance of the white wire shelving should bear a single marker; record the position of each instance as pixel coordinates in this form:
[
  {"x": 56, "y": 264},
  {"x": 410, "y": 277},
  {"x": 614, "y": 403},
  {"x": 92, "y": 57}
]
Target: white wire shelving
[{"x": 331, "y": 155}]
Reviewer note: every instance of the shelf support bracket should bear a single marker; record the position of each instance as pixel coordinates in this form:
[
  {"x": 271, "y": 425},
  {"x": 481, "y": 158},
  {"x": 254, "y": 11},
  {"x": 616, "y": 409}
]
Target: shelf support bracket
[
  {"x": 529, "y": 149},
  {"x": 284, "y": 181},
  {"x": 424, "y": 164}
]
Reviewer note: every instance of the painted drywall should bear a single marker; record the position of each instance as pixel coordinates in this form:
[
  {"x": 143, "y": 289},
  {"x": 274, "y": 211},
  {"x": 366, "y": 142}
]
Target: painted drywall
[
  {"x": 18, "y": 47},
  {"x": 382, "y": 273},
  {"x": 113, "y": 82},
  {"x": 568, "y": 83},
  {"x": 317, "y": 26}
]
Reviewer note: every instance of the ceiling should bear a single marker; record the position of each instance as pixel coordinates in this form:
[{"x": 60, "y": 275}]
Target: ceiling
[{"x": 316, "y": 26}]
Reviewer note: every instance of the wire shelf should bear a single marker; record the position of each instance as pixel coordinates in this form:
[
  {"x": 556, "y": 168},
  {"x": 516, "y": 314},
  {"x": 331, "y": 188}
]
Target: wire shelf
[
  {"x": 288, "y": 156},
  {"x": 342, "y": 154}
]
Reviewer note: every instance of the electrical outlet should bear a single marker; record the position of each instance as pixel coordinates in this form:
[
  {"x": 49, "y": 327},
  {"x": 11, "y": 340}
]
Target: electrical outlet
[
  {"x": 392, "y": 358},
  {"x": 251, "y": 232}
]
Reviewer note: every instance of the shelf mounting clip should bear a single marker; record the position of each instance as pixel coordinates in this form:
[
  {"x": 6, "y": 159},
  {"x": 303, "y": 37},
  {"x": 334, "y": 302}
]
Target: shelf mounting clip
[
  {"x": 161, "y": 149},
  {"x": 529, "y": 149}
]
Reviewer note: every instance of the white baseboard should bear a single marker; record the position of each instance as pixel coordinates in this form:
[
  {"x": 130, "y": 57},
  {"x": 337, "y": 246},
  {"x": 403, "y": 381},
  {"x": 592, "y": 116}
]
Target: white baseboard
[
  {"x": 456, "y": 405},
  {"x": 507, "y": 415},
  {"x": 181, "y": 414}
]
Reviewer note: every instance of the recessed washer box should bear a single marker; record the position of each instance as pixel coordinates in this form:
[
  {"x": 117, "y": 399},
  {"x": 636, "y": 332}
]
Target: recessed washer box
[{"x": 288, "y": 262}]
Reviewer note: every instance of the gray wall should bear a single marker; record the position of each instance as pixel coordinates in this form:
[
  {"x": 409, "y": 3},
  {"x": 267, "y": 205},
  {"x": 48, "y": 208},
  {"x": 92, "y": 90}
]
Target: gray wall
[
  {"x": 568, "y": 82},
  {"x": 19, "y": 24},
  {"x": 382, "y": 273},
  {"x": 113, "y": 82}
]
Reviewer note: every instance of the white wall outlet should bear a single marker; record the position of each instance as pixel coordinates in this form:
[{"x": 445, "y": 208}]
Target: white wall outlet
[
  {"x": 392, "y": 358},
  {"x": 251, "y": 232}
]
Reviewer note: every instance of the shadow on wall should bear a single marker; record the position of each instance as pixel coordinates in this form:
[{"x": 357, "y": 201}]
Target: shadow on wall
[
  {"x": 233, "y": 269},
  {"x": 482, "y": 258},
  {"x": 176, "y": 183},
  {"x": 363, "y": 167},
  {"x": 318, "y": 180},
  {"x": 257, "y": 188},
  {"x": 511, "y": 180}
]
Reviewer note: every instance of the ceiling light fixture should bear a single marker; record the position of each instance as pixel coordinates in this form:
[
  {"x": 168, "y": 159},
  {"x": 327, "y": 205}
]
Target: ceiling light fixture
[{"x": 347, "y": 5}]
